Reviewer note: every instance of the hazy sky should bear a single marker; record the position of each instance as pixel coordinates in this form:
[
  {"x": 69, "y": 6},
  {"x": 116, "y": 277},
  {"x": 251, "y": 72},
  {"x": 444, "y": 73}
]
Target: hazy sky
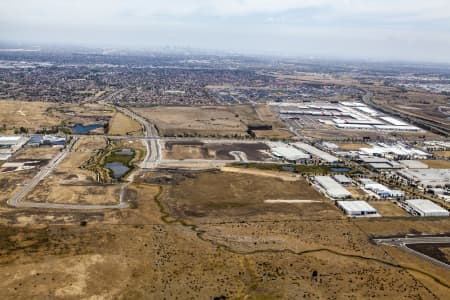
[{"x": 376, "y": 29}]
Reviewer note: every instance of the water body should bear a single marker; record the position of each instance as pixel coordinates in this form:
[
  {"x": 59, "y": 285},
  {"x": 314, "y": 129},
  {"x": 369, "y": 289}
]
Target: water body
[
  {"x": 340, "y": 170},
  {"x": 124, "y": 152},
  {"x": 82, "y": 129},
  {"x": 118, "y": 169}
]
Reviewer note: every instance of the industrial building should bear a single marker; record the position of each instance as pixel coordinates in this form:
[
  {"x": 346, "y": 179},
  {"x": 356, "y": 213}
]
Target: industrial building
[
  {"x": 381, "y": 190},
  {"x": 357, "y": 208},
  {"x": 397, "y": 151},
  {"x": 326, "y": 157},
  {"x": 288, "y": 153},
  {"x": 425, "y": 208},
  {"x": 342, "y": 179},
  {"x": 427, "y": 177},
  {"x": 10, "y": 144},
  {"x": 46, "y": 140},
  {"x": 344, "y": 115},
  {"x": 332, "y": 187}
]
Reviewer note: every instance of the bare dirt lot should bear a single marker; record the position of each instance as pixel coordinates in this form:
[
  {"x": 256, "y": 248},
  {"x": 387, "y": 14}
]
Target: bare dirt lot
[{"x": 219, "y": 151}]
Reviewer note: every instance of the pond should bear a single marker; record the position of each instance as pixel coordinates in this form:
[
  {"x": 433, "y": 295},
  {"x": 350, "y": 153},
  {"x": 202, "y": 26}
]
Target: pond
[
  {"x": 118, "y": 169},
  {"x": 81, "y": 129},
  {"x": 340, "y": 170}
]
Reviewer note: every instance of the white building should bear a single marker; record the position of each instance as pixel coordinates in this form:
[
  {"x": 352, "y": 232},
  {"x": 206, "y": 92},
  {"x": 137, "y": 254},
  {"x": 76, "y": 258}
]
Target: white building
[
  {"x": 342, "y": 179},
  {"x": 332, "y": 187},
  {"x": 357, "y": 208},
  {"x": 316, "y": 152},
  {"x": 289, "y": 153},
  {"x": 426, "y": 208}
]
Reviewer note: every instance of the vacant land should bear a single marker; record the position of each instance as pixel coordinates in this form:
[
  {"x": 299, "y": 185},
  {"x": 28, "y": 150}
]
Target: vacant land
[
  {"x": 351, "y": 146},
  {"x": 241, "y": 196},
  {"x": 120, "y": 124},
  {"x": 445, "y": 154},
  {"x": 389, "y": 209},
  {"x": 437, "y": 163},
  {"x": 202, "y": 121},
  {"x": 219, "y": 151},
  {"x": 29, "y": 115}
]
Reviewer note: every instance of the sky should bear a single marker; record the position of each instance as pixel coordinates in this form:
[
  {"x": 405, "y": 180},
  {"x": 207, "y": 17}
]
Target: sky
[{"x": 408, "y": 30}]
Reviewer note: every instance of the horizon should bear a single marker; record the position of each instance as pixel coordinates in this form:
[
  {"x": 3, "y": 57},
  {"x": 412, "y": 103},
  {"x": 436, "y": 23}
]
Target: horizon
[{"x": 386, "y": 31}]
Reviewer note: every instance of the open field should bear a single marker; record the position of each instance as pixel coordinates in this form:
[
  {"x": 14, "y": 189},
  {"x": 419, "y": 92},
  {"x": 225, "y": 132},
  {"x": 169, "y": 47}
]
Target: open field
[
  {"x": 71, "y": 183},
  {"x": 389, "y": 209},
  {"x": 275, "y": 251},
  {"x": 356, "y": 192},
  {"x": 219, "y": 151},
  {"x": 45, "y": 153},
  {"x": 120, "y": 124},
  {"x": 30, "y": 115},
  {"x": 226, "y": 195},
  {"x": 437, "y": 163},
  {"x": 351, "y": 146},
  {"x": 204, "y": 121},
  {"x": 445, "y": 154}
]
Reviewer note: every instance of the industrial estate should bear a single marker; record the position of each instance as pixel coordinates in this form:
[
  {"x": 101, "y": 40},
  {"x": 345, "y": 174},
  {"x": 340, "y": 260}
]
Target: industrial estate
[{"x": 124, "y": 177}]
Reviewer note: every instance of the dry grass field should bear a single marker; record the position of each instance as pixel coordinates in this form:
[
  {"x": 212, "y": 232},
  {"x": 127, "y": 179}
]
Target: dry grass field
[
  {"x": 351, "y": 146},
  {"x": 70, "y": 184},
  {"x": 30, "y": 115},
  {"x": 270, "y": 251},
  {"x": 389, "y": 209},
  {"x": 121, "y": 124},
  {"x": 207, "y": 121},
  {"x": 437, "y": 163},
  {"x": 445, "y": 154}
]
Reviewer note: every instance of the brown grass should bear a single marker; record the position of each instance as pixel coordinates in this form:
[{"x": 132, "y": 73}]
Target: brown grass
[
  {"x": 437, "y": 163},
  {"x": 121, "y": 124}
]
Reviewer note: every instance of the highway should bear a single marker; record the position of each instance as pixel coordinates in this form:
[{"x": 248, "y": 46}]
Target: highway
[
  {"x": 151, "y": 139},
  {"x": 404, "y": 242}
]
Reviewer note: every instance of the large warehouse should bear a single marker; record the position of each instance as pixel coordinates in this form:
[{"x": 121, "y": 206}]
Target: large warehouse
[
  {"x": 332, "y": 187},
  {"x": 426, "y": 208},
  {"x": 357, "y": 208}
]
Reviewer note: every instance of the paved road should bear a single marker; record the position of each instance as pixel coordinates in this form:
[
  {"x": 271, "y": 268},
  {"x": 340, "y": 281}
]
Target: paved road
[
  {"x": 151, "y": 139},
  {"x": 16, "y": 199},
  {"x": 404, "y": 242}
]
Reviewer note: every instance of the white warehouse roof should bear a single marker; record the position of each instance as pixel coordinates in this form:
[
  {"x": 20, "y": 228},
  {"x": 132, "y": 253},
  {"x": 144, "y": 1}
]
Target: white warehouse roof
[
  {"x": 427, "y": 208},
  {"x": 316, "y": 152},
  {"x": 357, "y": 208},
  {"x": 288, "y": 152},
  {"x": 332, "y": 187}
]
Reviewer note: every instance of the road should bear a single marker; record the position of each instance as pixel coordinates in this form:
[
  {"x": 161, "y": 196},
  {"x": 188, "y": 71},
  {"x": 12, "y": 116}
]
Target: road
[
  {"x": 16, "y": 199},
  {"x": 151, "y": 139},
  {"x": 404, "y": 242}
]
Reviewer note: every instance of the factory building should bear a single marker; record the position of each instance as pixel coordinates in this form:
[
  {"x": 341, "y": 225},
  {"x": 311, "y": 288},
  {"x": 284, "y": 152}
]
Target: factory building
[
  {"x": 357, "y": 208},
  {"x": 10, "y": 144},
  {"x": 332, "y": 187},
  {"x": 425, "y": 208},
  {"x": 288, "y": 153},
  {"x": 381, "y": 190},
  {"x": 427, "y": 177},
  {"x": 46, "y": 140},
  {"x": 316, "y": 152},
  {"x": 342, "y": 179}
]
